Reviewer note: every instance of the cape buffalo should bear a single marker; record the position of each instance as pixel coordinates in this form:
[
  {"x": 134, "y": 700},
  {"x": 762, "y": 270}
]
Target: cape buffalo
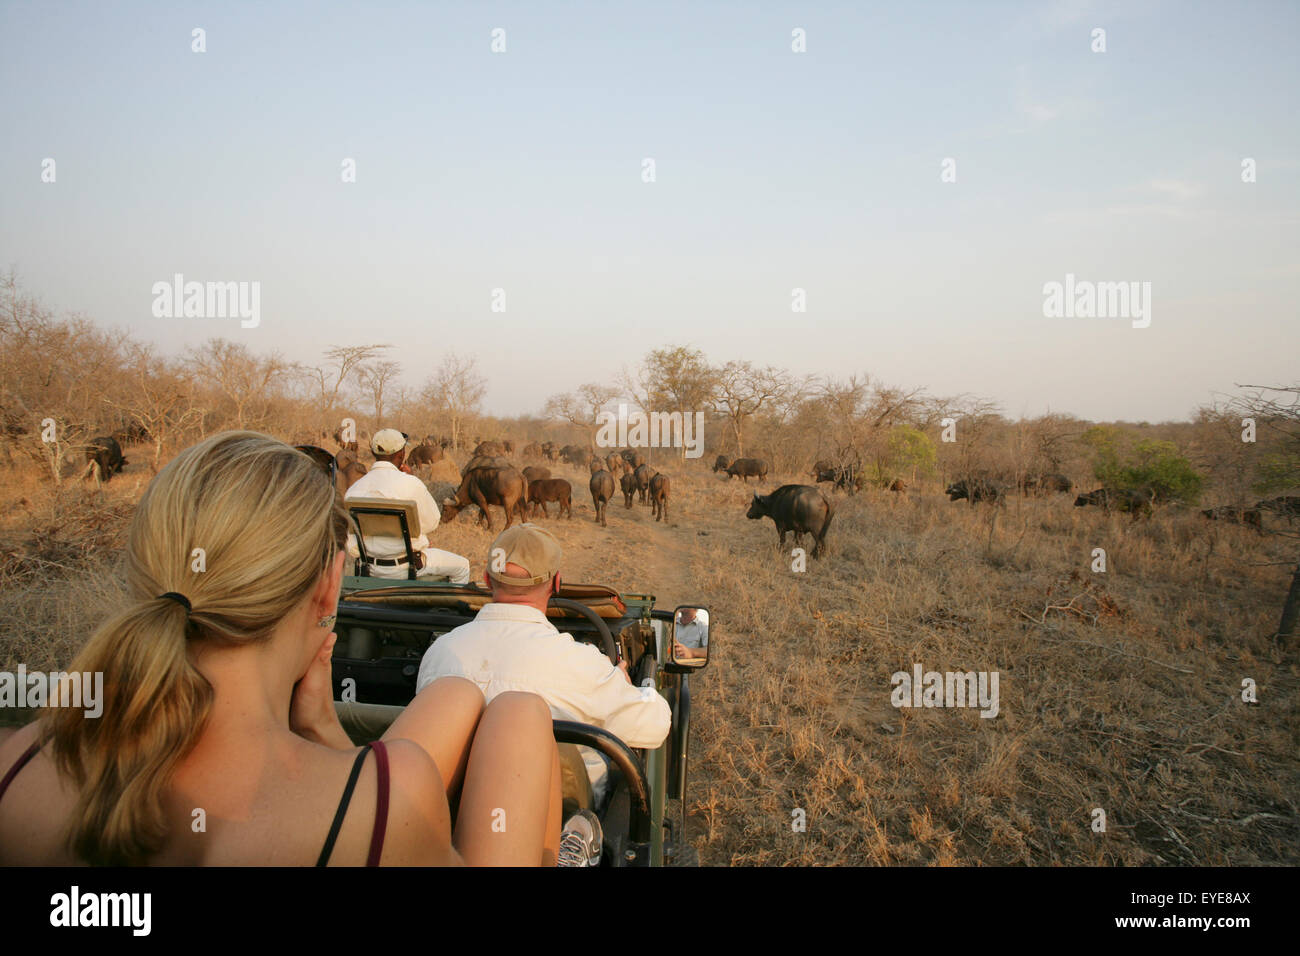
[
  {"x": 642, "y": 477},
  {"x": 721, "y": 463},
  {"x": 489, "y": 449},
  {"x": 551, "y": 489},
  {"x": 602, "y": 489},
  {"x": 532, "y": 450},
  {"x": 489, "y": 486},
  {"x": 104, "y": 458},
  {"x": 628, "y": 483},
  {"x": 1046, "y": 484},
  {"x": 1287, "y": 506},
  {"x": 536, "y": 473},
  {"x": 485, "y": 461},
  {"x": 1246, "y": 516},
  {"x": 748, "y": 468},
  {"x": 976, "y": 489},
  {"x": 660, "y": 486},
  {"x": 1134, "y": 502},
  {"x": 797, "y": 508},
  {"x": 426, "y": 453}
]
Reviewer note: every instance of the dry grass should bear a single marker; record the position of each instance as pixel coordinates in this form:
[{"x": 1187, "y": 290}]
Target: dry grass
[{"x": 1119, "y": 691}]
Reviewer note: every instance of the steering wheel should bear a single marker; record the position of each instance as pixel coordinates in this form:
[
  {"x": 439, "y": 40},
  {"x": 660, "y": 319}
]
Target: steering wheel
[{"x": 606, "y": 638}]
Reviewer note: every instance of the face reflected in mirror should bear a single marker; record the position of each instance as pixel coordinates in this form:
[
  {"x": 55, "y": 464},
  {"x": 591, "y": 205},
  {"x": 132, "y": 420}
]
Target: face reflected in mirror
[{"x": 691, "y": 636}]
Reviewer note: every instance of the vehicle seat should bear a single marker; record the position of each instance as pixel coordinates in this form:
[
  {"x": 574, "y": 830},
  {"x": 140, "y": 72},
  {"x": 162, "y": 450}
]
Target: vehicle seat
[{"x": 575, "y": 785}]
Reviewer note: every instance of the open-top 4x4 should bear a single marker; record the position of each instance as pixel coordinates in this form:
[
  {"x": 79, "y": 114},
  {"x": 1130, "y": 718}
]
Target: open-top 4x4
[{"x": 384, "y": 628}]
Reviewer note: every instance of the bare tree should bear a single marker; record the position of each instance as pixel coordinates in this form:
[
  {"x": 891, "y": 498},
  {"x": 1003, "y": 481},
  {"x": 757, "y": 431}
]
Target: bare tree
[
  {"x": 161, "y": 399},
  {"x": 343, "y": 364},
  {"x": 582, "y": 408},
  {"x": 375, "y": 377},
  {"x": 243, "y": 379},
  {"x": 456, "y": 390},
  {"x": 742, "y": 391}
]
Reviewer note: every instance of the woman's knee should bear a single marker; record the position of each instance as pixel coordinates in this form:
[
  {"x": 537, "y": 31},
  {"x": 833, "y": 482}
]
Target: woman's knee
[
  {"x": 522, "y": 708},
  {"x": 460, "y": 692}
]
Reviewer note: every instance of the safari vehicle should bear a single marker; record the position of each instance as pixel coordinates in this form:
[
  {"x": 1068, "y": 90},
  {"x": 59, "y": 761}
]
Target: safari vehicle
[{"x": 384, "y": 627}]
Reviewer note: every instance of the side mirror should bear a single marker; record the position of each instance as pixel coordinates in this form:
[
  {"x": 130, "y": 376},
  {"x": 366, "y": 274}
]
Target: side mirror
[{"x": 690, "y": 637}]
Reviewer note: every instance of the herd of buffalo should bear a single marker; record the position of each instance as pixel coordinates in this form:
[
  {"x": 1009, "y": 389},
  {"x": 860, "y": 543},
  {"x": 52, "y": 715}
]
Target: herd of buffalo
[{"x": 489, "y": 478}]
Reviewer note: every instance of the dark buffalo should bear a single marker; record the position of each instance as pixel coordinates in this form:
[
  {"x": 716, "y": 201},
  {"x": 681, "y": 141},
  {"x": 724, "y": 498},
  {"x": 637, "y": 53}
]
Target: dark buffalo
[
  {"x": 797, "y": 508},
  {"x": 507, "y": 445},
  {"x": 1100, "y": 498},
  {"x": 1131, "y": 501},
  {"x": 132, "y": 433},
  {"x": 1287, "y": 506},
  {"x": 642, "y": 477},
  {"x": 575, "y": 455},
  {"x": 1252, "y": 517},
  {"x": 1046, "y": 484},
  {"x": 489, "y": 449},
  {"x": 426, "y": 453},
  {"x": 660, "y": 487},
  {"x": 485, "y": 461},
  {"x": 721, "y": 463},
  {"x": 627, "y": 482},
  {"x": 602, "y": 489},
  {"x": 823, "y": 466},
  {"x": 551, "y": 489},
  {"x": 976, "y": 489},
  {"x": 104, "y": 458},
  {"x": 536, "y": 473},
  {"x": 614, "y": 464},
  {"x": 549, "y": 451},
  {"x": 748, "y": 468},
  {"x": 629, "y": 456},
  {"x": 532, "y": 450},
  {"x": 505, "y": 487}
]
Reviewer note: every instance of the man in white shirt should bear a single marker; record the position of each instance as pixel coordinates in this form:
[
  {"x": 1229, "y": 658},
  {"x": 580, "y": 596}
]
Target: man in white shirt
[
  {"x": 387, "y": 480},
  {"x": 691, "y": 632},
  {"x": 512, "y": 646}
]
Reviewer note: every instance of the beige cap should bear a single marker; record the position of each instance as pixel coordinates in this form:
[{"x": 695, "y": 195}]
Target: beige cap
[
  {"x": 387, "y": 441},
  {"x": 531, "y": 547}
]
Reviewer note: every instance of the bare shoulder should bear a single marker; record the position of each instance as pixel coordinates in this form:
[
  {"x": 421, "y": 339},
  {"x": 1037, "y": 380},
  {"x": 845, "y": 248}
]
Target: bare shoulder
[
  {"x": 15, "y": 743},
  {"x": 419, "y": 821}
]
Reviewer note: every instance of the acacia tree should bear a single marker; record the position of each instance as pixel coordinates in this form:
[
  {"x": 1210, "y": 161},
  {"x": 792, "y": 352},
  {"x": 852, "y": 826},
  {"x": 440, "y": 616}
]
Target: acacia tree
[
  {"x": 343, "y": 363},
  {"x": 244, "y": 380},
  {"x": 581, "y": 409},
  {"x": 374, "y": 378},
  {"x": 742, "y": 391},
  {"x": 456, "y": 390}
]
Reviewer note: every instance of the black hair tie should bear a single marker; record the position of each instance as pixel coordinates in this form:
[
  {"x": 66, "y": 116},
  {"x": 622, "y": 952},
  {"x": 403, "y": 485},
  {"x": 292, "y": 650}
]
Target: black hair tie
[{"x": 180, "y": 599}]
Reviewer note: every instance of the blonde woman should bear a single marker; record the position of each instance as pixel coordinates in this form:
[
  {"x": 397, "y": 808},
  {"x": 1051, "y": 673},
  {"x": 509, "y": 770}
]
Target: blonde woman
[{"x": 218, "y": 743}]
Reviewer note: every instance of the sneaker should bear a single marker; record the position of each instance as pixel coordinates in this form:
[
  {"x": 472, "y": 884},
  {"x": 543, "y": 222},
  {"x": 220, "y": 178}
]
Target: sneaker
[{"x": 580, "y": 840}]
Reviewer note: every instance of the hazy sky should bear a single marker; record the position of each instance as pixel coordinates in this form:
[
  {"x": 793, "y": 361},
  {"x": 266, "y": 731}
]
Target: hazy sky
[{"x": 774, "y": 170}]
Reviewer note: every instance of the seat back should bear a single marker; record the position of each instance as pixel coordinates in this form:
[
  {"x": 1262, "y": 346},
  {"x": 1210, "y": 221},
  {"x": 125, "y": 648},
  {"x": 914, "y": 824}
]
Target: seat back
[{"x": 388, "y": 518}]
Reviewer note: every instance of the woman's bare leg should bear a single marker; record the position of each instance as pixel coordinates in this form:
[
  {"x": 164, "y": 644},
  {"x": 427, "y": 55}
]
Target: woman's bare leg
[
  {"x": 506, "y": 803},
  {"x": 442, "y": 719}
]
